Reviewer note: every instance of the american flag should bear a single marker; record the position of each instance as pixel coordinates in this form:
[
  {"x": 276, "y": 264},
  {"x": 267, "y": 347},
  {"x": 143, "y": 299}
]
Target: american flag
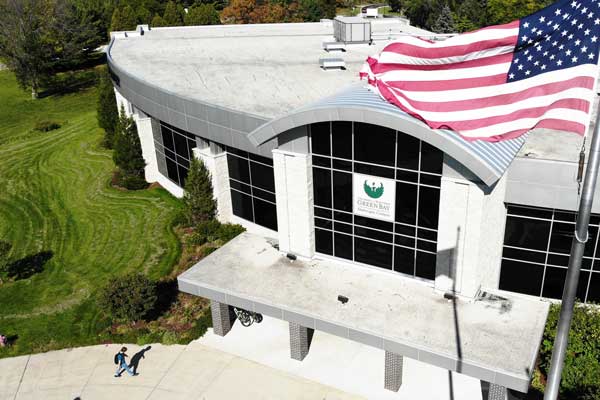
[{"x": 498, "y": 82}]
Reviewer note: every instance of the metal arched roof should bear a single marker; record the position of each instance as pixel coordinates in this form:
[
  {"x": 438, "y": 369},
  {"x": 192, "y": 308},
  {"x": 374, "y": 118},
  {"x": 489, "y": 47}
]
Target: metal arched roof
[{"x": 487, "y": 160}]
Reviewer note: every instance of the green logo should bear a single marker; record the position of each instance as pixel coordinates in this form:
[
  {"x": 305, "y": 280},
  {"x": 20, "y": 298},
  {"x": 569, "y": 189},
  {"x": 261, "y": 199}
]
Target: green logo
[{"x": 373, "y": 191}]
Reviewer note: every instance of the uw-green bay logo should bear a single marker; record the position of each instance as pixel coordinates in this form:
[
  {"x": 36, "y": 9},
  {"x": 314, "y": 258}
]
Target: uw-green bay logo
[{"x": 373, "y": 191}]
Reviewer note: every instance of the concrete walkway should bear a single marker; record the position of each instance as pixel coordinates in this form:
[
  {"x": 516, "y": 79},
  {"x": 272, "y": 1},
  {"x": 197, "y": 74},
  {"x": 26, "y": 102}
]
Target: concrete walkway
[{"x": 167, "y": 372}]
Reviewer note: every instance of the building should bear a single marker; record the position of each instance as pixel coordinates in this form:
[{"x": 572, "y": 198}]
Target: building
[{"x": 442, "y": 247}]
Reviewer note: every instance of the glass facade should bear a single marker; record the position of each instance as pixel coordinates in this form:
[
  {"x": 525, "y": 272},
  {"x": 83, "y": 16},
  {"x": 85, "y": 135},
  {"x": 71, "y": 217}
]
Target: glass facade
[
  {"x": 407, "y": 245},
  {"x": 537, "y": 243},
  {"x": 252, "y": 183},
  {"x": 174, "y": 152}
]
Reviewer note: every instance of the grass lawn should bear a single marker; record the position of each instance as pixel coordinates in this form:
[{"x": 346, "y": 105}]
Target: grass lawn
[{"x": 55, "y": 197}]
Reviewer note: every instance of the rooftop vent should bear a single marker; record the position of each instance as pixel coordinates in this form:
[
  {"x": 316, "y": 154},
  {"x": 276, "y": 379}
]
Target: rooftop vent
[
  {"x": 351, "y": 30},
  {"x": 334, "y": 46},
  {"x": 332, "y": 63}
]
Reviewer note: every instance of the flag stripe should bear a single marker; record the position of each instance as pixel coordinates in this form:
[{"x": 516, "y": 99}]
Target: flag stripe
[
  {"x": 442, "y": 91},
  {"x": 506, "y": 44},
  {"x": 571, "y": 87},
  {"x": 476, "y": 62}
]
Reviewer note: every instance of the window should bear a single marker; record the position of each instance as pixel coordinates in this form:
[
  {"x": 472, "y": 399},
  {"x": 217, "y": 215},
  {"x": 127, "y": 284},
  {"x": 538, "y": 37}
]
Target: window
[
  {"x": 407, "y": 245},
  {"x": 174, "y": 152},
  {"x": 535, "y": 257},
  {"x": 252, "y": 183}
]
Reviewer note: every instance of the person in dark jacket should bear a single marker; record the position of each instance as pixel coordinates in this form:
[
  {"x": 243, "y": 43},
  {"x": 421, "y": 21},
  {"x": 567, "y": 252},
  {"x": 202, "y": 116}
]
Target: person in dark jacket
[{"x": 122, "y": 363}]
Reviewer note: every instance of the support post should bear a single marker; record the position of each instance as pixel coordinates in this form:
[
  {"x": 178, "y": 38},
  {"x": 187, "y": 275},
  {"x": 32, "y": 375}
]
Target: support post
[
  {"x": 393, "y": 371},
  {"x": 221, "y": 318},
  {"x": 300, "y": 338},
  {"x": 577, "y": 247}
]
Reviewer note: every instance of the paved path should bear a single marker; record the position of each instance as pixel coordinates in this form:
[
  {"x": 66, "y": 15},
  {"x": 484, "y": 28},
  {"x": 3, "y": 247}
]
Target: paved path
[{"x": 167, "y": 372}]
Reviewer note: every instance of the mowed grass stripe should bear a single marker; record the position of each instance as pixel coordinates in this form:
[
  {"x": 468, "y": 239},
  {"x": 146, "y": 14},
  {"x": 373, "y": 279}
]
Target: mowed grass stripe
[{"x": 56, "y": 197}]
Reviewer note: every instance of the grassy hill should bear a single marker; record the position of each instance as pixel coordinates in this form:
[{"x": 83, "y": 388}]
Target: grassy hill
[{"x": 56, "y": 202}]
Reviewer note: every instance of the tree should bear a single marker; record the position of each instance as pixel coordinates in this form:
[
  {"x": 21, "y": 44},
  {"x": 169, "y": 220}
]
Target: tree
[
  {"x": 444, "y": 22},
  {"x": 199, "y": 203},
  {"x": 143, "y": 15},
  {"x": 127, "y": 154},
  {"x": 314, "y": 10},
  {"x": 202, "y": 14},
  {"x": 123, "y": 19},
  {"x": 129, "y": 298},
  {"x": 395, "y": 5},
  {"x": 422, "y": 13},
  {"x": 157, "y": 21},
  {"x": 25, "y": 43},
  {"x": 172, "y": 16},
  {"x": 108, "y": 116},
  {"x": 77, "y": 33}
]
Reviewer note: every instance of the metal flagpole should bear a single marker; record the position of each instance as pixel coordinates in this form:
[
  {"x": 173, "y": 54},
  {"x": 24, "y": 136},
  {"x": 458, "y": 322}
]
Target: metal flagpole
[{"x": 577, "y": 247}]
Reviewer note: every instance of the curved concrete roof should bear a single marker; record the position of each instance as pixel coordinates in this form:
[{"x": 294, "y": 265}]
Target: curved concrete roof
[{"x": 486, "y": 160}]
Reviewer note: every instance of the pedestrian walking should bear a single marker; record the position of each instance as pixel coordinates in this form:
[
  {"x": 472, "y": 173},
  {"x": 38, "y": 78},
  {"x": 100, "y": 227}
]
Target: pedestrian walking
[
  {"x": 3, "y": 341},
  {"x": 122, "y": 363}
]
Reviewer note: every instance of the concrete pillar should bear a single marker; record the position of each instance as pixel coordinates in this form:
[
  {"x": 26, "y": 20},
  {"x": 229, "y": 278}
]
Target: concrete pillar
[
  {"x": 393, "y": 371},
  {"x": 492, "y": 391},
  {"x": 215, "y": 160},
  {"x": 300, "y": 338},
  {"x": 294, "y": 195},
  {"x": 222, "y": 318},
  {"x": 470, "y": 232},
  {"x": 144, "y": 128}
]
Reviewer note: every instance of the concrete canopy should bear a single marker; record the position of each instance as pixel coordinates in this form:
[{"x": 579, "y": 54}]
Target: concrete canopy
[{"x": 488, "y": 161}]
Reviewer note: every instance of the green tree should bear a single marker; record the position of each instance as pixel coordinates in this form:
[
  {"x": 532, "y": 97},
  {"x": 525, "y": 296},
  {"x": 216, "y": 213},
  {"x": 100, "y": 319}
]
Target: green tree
[
  {"x": 123, "y": 19},
  {"x": 25, "y": 41},
  {"x": 199, "y": 203},
  {"x": 127, "y": 153},
  {"x": 444, "y": 22},
  {"x": 143, "y": 15},
  {"x": 77, "y": 33},
  {"x": 108, "y": 116},
  {"x": 129, "y": 298},
  {"x": 172, "y": 16},
  {"x": 395, "y": 5},
  {"x": 422, "y": 13},
  {"x": 202, "y": 14},
  {"x": 157, "y": 21}
]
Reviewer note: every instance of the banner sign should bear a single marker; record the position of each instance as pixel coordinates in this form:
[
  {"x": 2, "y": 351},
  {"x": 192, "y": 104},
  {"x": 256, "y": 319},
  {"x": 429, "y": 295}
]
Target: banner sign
[{"x": 374, "y": 197}]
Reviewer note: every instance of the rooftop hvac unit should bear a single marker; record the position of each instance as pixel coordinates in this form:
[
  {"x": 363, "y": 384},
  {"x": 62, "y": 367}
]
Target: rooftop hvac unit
[{"x": 351, "y": 30}]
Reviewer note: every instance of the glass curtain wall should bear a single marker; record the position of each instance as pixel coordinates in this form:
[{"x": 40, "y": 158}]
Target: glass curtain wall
[
  {"x": 537, "y": 243},
  {"x": 407, "y": 245},
  {"x": 252, "y": 183},
  {"x": 174, "y": 152}
]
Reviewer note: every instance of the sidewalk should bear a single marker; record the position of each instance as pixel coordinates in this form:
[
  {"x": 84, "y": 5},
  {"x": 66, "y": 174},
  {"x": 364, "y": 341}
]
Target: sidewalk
[{"x": 167, "y": 372}]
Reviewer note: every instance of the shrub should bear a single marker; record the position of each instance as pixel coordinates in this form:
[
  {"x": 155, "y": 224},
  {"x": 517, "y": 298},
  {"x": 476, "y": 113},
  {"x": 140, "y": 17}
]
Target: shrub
[
  {"x": 229, "y": 231},
  {"x": 46, "y": 126},
  {"x": 129, "y": 298},
  {"x": 582, "y": 361}
]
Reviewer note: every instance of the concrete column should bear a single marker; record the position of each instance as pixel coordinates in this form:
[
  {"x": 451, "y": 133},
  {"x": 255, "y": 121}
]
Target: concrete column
[
  {"x": 492, "y": 391},
  {"x": 393, "y": 371},
  {"x": 294, "y": 194},
  {"x": 222, "y": 318},
  {"x": 470, "y": 232},
  {"x": 215, "y": 160},
  {"x": 144, "y": 128},
  {"x": 300, "y": 338}
]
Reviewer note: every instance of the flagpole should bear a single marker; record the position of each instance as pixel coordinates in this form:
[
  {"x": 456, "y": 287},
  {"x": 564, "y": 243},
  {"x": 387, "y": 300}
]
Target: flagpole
[{"x": 577, "y": 247}]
